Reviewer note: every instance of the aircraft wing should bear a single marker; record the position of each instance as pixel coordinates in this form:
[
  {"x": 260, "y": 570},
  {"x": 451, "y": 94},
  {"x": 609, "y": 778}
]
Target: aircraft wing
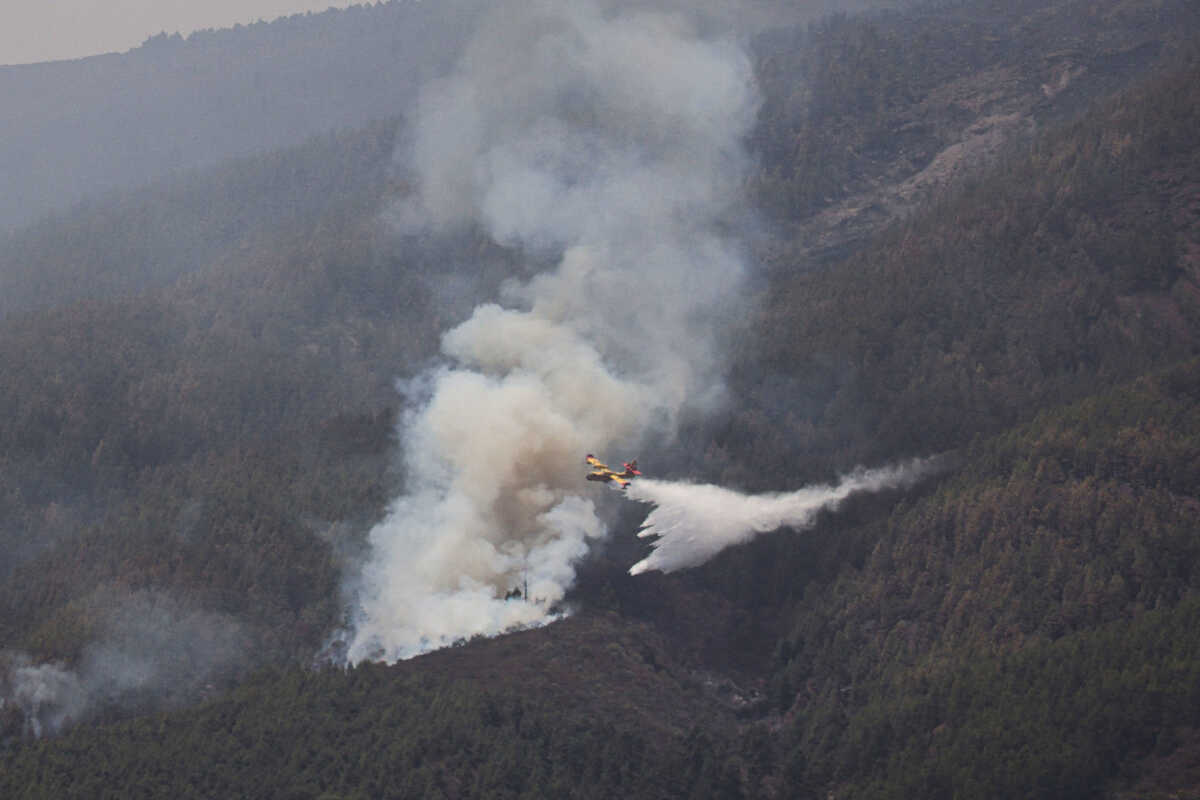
[{"x": 601, "y": 472}]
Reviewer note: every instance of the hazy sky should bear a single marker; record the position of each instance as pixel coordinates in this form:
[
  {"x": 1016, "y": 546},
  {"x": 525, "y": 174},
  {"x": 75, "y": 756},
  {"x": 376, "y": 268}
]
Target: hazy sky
[{"x": 49, "y": 30}]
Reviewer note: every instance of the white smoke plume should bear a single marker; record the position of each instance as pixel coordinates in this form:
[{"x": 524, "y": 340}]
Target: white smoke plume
[
  {"x": 694, "y": 522},
  {"x": 610, "y": 140}
]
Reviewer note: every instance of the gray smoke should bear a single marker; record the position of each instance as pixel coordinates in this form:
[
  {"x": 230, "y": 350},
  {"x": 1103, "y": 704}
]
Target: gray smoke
[
  {"x": 150, "y": 652},
  {"x": 48, "y": 696},
  {"x": 610, "y": 140},
  {"x": 694, "y": 522}
]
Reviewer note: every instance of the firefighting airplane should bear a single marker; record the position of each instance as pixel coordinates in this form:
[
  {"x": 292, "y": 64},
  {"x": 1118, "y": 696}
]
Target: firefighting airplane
[{"x": 601, "y": 472}]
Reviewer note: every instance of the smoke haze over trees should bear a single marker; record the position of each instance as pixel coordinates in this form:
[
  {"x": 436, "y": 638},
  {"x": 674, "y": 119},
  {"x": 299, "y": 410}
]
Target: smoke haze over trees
[
  {"x": 960, "y": 228},
  {"x": 71, "y": 129}
]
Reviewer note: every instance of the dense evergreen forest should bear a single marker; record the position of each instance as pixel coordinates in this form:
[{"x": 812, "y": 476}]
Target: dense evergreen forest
[{"x": 979, "y": 238}]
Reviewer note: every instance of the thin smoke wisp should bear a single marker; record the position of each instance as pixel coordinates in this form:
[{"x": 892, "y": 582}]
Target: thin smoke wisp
[{"x": 152, "y": 651}]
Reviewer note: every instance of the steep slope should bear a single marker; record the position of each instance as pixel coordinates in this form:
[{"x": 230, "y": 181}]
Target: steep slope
[
  {"x": 217, "y": 449},
  {"x": 133, "y": 240},
  {"x": 1026, "y": 629},
  {"x": 1029, "y": 625},
  {"x": 1069, "y": 267},
  {"x": 214, "y": 426},
  {"x": 70, "y": 129},
  {"x": 867, "y": 117},
  {"x": 589, "y": 708}
]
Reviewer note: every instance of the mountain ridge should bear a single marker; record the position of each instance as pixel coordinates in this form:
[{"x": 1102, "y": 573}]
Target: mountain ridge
[{"x": 218, "y": 445}]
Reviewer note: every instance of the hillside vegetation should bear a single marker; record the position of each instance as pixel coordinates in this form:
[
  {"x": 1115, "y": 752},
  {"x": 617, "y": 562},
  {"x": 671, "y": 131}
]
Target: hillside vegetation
[
  {"x": 198, "y": 405},
  {"x": 133, "y": 240},
  {"x": 71, "y": 130},
  {"x": 1071, "y": 265},
  {"x": 1031, "y": 623}
]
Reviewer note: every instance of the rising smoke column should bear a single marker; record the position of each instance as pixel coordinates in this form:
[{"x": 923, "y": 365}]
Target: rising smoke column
[
  {"x": 610, "y": 140},
  {"x": 694, "y": 522}
]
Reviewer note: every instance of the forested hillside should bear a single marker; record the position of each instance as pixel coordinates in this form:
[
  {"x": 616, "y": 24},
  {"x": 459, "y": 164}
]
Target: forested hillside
[
  {"x": 1031, "y": 623},
  {"x": 73, "y": 129},
  {"x": 1071, "y": 265},
  {"x": 251, "y": 391},
  {"x": 868, "y": 118},
  {"x": 134, "y": 240},
  {"x": 978, "y": 237}
]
